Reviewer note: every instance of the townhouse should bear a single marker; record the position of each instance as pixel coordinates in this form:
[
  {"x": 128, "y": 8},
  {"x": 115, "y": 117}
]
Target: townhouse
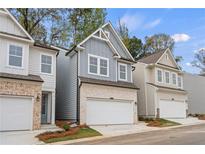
[{"x": 27, "y": 78}]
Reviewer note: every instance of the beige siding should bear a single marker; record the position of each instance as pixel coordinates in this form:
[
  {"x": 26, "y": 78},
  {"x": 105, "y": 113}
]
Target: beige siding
[
  {"x": 9, "y": 26},
  {"x": 35, "y": 67},
  {"x": 151, "y": 99},
  {"x": 139, "y": 80},
  {"x": 167, "y": 61},
  {"x": 4, "y": 49}
]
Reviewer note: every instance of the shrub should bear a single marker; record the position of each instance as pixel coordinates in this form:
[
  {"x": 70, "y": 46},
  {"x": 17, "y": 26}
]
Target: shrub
[{"x": 66, "y": 127}]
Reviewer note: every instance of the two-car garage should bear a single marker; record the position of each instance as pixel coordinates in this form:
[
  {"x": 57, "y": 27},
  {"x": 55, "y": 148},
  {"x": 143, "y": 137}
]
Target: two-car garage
[
  {"x": 172, "y": 109},
  {"x": 16, "y": 113},
  {"x": 102, "y": 112}
]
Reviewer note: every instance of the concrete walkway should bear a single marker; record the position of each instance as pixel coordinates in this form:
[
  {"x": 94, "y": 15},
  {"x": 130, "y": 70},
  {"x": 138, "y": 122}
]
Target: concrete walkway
[
  {"x": 188, "y": 121},
  {"x": 115, "y": 130},
  {"x": 24, "y": 137}
]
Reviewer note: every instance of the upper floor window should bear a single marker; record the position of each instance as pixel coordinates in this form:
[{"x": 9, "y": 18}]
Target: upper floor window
[
  {"x": 122, "y": 70},
  {"x": 46, "y": 64},
  {"x": 180, "y": 81},
  {"x": 98, "y": 65},
  {"x": 15, "y": 56},
  {"x": 174, "y": 78},
  {"x": 167, "y": 77},
  {"x": 159, "y": 75}
]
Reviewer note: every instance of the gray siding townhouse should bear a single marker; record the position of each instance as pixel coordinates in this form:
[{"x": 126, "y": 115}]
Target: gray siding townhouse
[
  {"x": 94, "y": 81},
  {"x": 27, "y": 78},
  {"x": 195, "y": 86}
]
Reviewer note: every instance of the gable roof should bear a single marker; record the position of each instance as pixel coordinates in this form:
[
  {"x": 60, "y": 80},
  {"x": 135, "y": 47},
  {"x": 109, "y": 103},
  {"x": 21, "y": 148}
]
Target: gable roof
[
  {"x": 153, "y": 58},
  {"x": 107, "y": 40},
  {"x": 18, "y": 24}
]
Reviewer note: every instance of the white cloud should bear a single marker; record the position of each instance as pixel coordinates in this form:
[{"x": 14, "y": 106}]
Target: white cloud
[
  {"x": 153, "y": 23},
  {"x": 181, "y": 37},
  {"x": 188, "y": 64},
  {"x": 132, "y": 21}
]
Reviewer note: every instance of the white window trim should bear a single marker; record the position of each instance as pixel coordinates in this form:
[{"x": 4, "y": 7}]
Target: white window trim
[
  {"x": 157, "y": 75},
  {"x": 176, "y": 79},
  {"x": 165, "y": 77},
  {"x": 46, "y": 54},
  {"x": 11, "y": 66},
  {"x": 121, "y": 64},
  {"x": 98, "y": 65},
  {"x": 181, "y": 81}
]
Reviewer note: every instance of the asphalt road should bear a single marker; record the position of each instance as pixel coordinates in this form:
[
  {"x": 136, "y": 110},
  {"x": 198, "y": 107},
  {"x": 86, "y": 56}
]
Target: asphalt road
[{"x": 189, "y": 135}]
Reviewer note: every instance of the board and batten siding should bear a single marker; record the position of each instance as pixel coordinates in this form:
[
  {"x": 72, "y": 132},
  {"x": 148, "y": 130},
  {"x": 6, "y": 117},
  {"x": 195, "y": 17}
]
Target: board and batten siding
[
  {"x": 4, "y": 49},
  {"x": 98, "y": 48},
  {"x": 117, "y": 44},
  {"x": 66, "y": 92},
  {"x": 49, "y": 83},
  {"x": 9, "y": 26}
]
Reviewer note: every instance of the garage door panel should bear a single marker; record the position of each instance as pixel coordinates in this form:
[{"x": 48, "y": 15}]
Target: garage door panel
[
  {"x": 172, "y": 109},
  {"x": 15, "y": 113},
  {"x": 108, "y": 112}
]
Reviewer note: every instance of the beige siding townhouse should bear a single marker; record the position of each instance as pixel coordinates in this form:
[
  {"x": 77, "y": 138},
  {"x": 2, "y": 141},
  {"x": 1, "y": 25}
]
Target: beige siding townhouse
[{"x": 161, "y": 86}]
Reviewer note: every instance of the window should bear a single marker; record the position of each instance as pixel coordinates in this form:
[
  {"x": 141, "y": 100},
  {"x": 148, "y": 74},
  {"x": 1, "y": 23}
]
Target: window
[
  {"x": 46, "y": 64},
  {"x": 167, "y": 57},
  {"x": 15, "y": 55},
  {"x": 103, "y": 67},
  {"x": 174, "y": 78},
  {"x": 159, "y": 75},
  {"x": 167, "y": 77},
  {"x": 98, "y": 65},
  {"x": 93, "y": 65},
  {"x": 180, "y": 81},
  {"x": 122, "y": 69}
]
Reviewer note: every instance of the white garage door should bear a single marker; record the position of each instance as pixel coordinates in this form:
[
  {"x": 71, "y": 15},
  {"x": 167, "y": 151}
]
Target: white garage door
[
  {"x": 109, "y": 112},
  {"x": 15, "y": 113},
  {"x": 172, "y": 109}
]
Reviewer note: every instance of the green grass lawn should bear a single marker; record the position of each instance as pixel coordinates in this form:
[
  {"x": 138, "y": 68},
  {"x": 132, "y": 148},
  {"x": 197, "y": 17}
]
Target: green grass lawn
[
  {"x": 167, "y": 123},
  {"x": 82, "y": 133}
]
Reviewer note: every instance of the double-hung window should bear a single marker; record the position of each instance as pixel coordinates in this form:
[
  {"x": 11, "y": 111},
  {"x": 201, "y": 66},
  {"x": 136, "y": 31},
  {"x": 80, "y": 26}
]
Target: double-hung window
[
  {"x": 15, "y": 56},
  {"x": 98, "y": 65},
  {"x": 167, "y": 77},
  {"x": 46, "y": 64},
  {"x": 174, "y": 78},
  {"x": 122, "y": 70},
  {"x": 179, "y": 81},
  {"x": 159, "y": 75}
]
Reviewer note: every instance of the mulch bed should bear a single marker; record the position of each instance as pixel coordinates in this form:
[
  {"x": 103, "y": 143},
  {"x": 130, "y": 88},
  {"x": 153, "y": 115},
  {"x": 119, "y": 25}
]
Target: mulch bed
[
  {"x": 62, "y": 133},
  {"x": 201, "y": 117},
  {"x": 154, "y": 123}
]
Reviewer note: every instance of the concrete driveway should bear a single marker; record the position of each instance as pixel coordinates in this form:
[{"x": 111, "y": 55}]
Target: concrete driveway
[
  {"x": 23, "y": 137},
  {"x": 115, "y": 130},
  {"x": 188, "y": 121}
]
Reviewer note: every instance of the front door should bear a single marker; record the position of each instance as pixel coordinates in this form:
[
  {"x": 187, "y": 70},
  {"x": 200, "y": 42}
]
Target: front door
[{"x": 44, "y": 108}]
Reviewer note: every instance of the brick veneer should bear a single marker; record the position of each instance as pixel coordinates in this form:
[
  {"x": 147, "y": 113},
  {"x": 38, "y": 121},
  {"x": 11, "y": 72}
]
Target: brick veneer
[{"x": 24, "y": 88}]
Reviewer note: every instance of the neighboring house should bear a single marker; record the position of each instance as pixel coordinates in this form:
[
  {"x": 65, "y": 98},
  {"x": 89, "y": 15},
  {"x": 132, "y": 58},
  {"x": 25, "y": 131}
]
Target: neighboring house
[
  {"x": 161, "y": 86},
  {"x": 195, "y": 86},
  {"x": 27, "y": 78},
  {"x": 94, "y": 81}
]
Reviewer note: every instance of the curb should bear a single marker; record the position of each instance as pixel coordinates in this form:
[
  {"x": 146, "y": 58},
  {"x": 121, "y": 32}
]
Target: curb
[{"x": 110, "y": 136}]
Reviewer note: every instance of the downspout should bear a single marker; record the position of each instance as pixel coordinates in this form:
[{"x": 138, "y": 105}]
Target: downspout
[{"x": 77, "y": 96}]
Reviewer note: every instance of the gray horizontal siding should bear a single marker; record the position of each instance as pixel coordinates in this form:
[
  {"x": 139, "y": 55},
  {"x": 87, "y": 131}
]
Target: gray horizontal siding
[{"x": 66, "y": 87}]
